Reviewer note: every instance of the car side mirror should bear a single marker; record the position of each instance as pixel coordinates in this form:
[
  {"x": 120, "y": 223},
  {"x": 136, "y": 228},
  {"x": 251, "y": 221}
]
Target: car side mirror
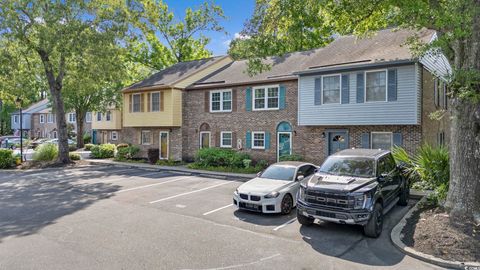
[
  {"x": 300, "y": 178},
  {"x": 259, "y": 173},
  {"x": 381, "y": 177}
]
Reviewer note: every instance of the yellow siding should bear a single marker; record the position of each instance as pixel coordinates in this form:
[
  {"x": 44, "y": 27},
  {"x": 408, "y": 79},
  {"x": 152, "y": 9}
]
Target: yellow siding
[
  {"x": 202, "y": 73},
  {"x": 115, "y": 122}
]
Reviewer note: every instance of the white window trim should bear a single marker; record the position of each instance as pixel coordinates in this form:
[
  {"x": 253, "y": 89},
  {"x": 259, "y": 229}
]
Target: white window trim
[
  {"x": 86, "y": 117},
  {"x": 141, "y": 137},
  {"x": 160, "y": 145},
  {"x": 48, "y": 120},
  {"x": 209, "y": 138},
  {"x": 16, "y": 117},
  {"x": 381, "y": 132},
  {"x": 42, "y": 118},
  {"x": 96, "y": 117},
  {"x": 106, "y": 113},
  {"x": 221, "y": 139},
  {"x": 253, "y": 140},
  {"x": 340, "y": 90},
  {"x": 365, "y": 85},
  {"x": 221, "y": 100},
  {"x": 159, "y": 101},
  {"x": 265, "y": 89},
  {"x": 133, "y": 103},
  {"x": 278, "y": 142},
  {"x": 114, "y": 138},
  {"x": 74, "y": 118}
]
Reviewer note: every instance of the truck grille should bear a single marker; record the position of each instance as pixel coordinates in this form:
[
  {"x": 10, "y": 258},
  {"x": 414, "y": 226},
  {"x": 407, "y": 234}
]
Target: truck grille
[{"x": 329, "y": 199}]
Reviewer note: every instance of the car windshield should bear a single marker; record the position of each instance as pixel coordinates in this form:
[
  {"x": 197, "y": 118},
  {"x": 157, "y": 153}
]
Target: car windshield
[
  {"x": 275, "y": 172},
  {"x": 349, "y": 166}
]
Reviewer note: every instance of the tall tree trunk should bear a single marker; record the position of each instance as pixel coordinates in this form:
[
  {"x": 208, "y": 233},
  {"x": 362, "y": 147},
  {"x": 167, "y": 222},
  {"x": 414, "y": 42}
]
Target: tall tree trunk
[
  {"x": 80, "y": 127},
  {"x": 63, "y": 150}
]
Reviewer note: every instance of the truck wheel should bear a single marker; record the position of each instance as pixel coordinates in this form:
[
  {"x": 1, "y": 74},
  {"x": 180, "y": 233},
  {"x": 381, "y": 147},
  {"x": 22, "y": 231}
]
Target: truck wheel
[
  {"x": 304, "y": 220},
  {"x": 403, "y": 197},
  {"x": 287, "y": 204},
  {"x": 375, "y": 225}
]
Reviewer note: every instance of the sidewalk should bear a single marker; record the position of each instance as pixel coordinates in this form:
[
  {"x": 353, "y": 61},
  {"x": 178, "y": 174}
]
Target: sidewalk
[{"x": 177, "y": 169}]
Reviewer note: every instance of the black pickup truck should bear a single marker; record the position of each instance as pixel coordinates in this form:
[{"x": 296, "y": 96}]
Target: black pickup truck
[{"x": 353, "y": 186}]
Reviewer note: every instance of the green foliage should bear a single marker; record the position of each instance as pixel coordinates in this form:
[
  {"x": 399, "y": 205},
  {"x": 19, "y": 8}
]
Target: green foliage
[
  {"x": 262, "y": 164},
  {"x": 293, "y": 157},
  {"x": 122, "y": 145},
  {"x": 220, "y": 157},
  {"x": 250, "y": 170},
  {"x": 169, "y": 162},
  {"x": 75, "y": 156},
  {"x": 46, "y": 152},
  {"x": 7, "y": 160},
  {"x": 89, "y": 146},
  {"x": 103, "y": 151},
  {"x": 72, "y": 148},
  {"x": 247, "y": 163},
  {"x": 124, "y": 153},
  {"x": 429, "y": 169},
  {"x": 87, "y": 138}
]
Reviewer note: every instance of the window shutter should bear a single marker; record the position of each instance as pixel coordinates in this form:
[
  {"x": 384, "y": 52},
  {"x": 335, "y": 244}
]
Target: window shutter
[
  {"x": 207, "y": 101},
  {"x": 445, "y": 98},
  {"x": 283, "y": 93},
  {"x": 392, "y": 85},
  {"x": 248, "y": 140},
  {"x": 267, "y": 140},
  {"x": 365, "y": 140},
  {"x": 234, "y": 140},
  {"x": 162, "y": 101},
  {"x": 397, "y": 139},
  {"x": 217, "y": 136},
  {"x": 248, "y": 99},
  {"x": 130, "y": 103},
  {"x": 360, "y": 87},
  {"x": 318, "y": 91},
  {"x": 345, "y": 89},
  {"x": 142, "y": 102},
  {"x": 435, "y": 91},
  {"x": 234, "y": 100},
  {"x": 149, "y": 97}
]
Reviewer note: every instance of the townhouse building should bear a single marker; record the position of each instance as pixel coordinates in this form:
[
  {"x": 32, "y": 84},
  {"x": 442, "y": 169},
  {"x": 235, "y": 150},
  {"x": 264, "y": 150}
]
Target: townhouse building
[
  {"x": 27, "y": 115},
  {"x": 107, "y": 126}
]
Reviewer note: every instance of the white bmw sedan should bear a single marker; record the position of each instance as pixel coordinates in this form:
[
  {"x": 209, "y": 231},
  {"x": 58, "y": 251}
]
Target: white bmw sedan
[{"x": 275, "y": 189}]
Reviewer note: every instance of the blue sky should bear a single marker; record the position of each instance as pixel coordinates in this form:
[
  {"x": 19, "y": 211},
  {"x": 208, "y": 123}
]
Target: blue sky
[{"x": 237, "y": 11}]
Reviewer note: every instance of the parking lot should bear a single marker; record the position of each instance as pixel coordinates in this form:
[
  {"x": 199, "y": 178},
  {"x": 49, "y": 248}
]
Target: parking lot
[{"x": 102, "y": 217}]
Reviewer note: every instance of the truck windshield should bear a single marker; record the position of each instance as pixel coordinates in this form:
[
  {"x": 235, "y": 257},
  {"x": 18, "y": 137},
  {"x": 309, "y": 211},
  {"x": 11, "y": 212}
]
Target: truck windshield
[
  {"x": 279, "y": 173},
  {"x": 349, "y": 166}
]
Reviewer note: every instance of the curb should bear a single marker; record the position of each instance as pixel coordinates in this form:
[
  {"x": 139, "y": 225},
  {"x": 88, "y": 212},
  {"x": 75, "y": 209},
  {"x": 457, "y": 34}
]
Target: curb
[{"x": 396, "y": 236}]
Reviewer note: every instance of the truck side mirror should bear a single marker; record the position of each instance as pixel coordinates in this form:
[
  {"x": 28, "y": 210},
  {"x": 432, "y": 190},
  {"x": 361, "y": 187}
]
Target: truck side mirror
[
  {"x": 381, "y": 177},
  {"x": 300, "y": 178}
]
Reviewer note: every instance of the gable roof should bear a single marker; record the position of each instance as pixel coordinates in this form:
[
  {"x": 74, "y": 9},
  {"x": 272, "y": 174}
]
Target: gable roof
[
  {"x": 169, "y": 76},
  {"x": 35, "y": 107}
]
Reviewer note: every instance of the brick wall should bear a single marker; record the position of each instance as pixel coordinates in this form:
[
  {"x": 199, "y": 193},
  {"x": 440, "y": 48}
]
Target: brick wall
[{"x": 132, "y": 135}]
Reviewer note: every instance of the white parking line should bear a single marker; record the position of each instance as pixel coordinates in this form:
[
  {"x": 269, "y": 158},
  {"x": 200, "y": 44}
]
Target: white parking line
[
  {"x": 285, "y": 224},
  {"x": 218, "y": 209},
  {"x": 131, "y": 176},
  {"x": 191, "y": 192},
  {"x": 156, "y": 184}
]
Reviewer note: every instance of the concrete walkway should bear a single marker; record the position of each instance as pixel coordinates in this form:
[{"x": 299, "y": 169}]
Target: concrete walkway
[{"x": 178, "y": 169}]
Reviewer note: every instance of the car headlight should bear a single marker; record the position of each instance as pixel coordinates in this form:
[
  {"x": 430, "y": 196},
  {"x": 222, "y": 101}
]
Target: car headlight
[
  {"x": 360, "y": 201},
  {"x": 272, "y": 195},
  {"x": 301, "y": 193},
  {"x": 236, "y": 191}
]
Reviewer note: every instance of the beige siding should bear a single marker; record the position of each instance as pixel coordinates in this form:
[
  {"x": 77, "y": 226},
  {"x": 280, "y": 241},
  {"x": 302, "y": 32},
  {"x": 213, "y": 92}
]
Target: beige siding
[
  {"x": 202, "y": 73},
  {"x": 115, "y": 122}
]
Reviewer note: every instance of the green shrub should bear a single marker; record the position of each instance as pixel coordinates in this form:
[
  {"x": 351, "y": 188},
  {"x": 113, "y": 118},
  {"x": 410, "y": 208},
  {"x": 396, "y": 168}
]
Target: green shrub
[
  {"x": 103, "y": 151},
  {"x": 262, "y": 164},
  {"x": 293, "y": 157},
  {"x": 72, "y": 148},
  {"x": 7, "y": 160},
  {"x": 74, "y": 156},
  {"x": 89, "y": 146},
  {"x": 87, "y": 138},
  {"x": 46, "y": 152},
  {"x": 429, "y": 169},
  {"x": 169, "y": 162},
  {"x": 128, "y": 152},
  {"x": 218, "y": 157},
  {"x": 122, "y": 145},
  {"x": 247, "y": 163}
]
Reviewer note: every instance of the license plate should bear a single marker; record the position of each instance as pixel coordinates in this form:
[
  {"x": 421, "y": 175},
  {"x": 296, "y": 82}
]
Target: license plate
[{"x": 250, "y": 205}]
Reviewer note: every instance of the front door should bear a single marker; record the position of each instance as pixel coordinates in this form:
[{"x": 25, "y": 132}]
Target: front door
[
  {"x": 337, "y": 140},
  {"x": 104, "y": 137},
  {"x": 205, "y": 139},
  {"x": 163, "y": 145},
  {"x": 284, "y": 144}
]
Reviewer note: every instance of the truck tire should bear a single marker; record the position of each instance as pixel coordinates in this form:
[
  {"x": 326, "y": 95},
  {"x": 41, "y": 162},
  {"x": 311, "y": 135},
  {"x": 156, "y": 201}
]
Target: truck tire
[
  {"x": 403, "y": 197},
  {"x": 374, "y": 226},
  {"x": 304, "y": 220}
]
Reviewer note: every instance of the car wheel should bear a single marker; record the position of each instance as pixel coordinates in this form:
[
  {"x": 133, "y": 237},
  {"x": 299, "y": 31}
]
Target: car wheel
[
  {"x": 304, "y": 220},
  {"x": 375, "y": 224},
  {"x": 287, "y": 204},
  {"x": 403, "y": 198}
]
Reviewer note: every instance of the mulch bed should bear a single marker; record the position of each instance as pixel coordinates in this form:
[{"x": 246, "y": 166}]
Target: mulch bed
[
  {"x": 430, "y": 231},
  {"x": 51, "y": 164}
]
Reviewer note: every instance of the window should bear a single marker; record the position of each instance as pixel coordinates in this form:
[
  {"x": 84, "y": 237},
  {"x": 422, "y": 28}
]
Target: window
[
  {"x": 72, "y": 118},
  {"x": 441, "y": 138},
  {"x": 99, "y": 116},
  {"x": 54, "y": 134},
  {"x": 266, "y": 98},
  {"x": 146, "y": 137},
  {"x": 226, "y": 139},
  {"x": 15, "y": 119},
  {"x": 436, "y": 96},
  {"x": 331, "y": 89},
  {"x": 381, "y": 140},
  {"x": 221, "y": 101},
  {"x": 50, "y": 118},
  {"x": 88, "y": 117},
  {"x": 155, "y": 102},
  {"x": 258, "y": 140},
  {"x": 114, "y": 135},
  {"x": 42, "y": 118},
  {"x": 136, "y": 103},
  {"x": 376, "y": 86},
  {"x": 108, "y": 116}
]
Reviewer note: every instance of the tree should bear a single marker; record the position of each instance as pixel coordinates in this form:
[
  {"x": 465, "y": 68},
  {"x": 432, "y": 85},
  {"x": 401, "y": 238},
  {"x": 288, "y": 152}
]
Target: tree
[{"x": 56, "y": 31}]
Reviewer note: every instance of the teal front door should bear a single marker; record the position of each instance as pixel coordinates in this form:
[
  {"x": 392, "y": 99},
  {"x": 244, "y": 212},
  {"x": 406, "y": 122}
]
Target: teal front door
[
  {"x": 337, "y": 141},
  {"x": 284, "y": 145}
]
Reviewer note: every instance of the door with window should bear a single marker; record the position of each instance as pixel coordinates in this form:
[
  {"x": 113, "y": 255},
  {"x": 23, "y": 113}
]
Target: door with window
[
  {"x": 337, "y": 141},
  {"x": 284, "y": 144},
  {"x": 163, "y": 145},
  {"x": 205, "y": 139}
]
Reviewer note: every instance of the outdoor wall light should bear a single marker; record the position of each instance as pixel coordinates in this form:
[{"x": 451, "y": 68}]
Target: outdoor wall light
[{"x": 323, "y": 135}]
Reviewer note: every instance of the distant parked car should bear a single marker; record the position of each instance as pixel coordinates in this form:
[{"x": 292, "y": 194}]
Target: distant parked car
[
  {"x": 275, "y": 189},
  {"x": 38, "y": 142},
  {"x": 14, "y": 143},
  {"x": 3, "y": 140},
  {"x": 55, "y": 141}
]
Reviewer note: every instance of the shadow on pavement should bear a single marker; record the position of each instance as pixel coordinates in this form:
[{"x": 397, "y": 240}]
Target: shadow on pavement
[{"x": 263, "y": 219}]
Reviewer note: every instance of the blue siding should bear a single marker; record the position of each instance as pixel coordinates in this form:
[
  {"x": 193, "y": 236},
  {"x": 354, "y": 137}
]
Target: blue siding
[
  {"x": 403, "y": 111},
  {"x": 26, "y": 122}
]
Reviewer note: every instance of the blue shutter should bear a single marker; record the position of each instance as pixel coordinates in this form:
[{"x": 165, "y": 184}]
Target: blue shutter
[
  {"x": 345, "y": 89},
  {"x": 360, "y": 87},
  {"x": 267, "y": 140},
  {"x": 365, "y": 140},
  {"x": 248, "y": 140},
  {"x": 283, "y": 93},
  {"x": 392, "y": 85},
  {"x": 318, "y": 91},
  {"x": 397, "y": 139},
  {"x": 248, "y": 99}
]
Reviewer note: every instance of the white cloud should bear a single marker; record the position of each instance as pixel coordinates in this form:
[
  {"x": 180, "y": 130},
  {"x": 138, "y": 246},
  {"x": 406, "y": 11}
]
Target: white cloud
[{"x": 241, "y": 36}]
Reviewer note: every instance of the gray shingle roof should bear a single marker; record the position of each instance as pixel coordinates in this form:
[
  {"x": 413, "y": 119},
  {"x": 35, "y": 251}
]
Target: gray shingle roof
[{"x": 385, "y": 45}]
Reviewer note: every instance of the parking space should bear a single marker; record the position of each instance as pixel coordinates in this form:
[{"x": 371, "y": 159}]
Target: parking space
[{"x": 100, "y": 217}]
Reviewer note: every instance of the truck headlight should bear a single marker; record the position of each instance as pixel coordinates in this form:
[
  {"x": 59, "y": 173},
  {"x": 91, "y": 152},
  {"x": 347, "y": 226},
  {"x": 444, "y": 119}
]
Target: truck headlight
[
  {"x": 272, "y": 195},
  {"x": 360, "y": 201},
  {"x": 301, "y": 193}
]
